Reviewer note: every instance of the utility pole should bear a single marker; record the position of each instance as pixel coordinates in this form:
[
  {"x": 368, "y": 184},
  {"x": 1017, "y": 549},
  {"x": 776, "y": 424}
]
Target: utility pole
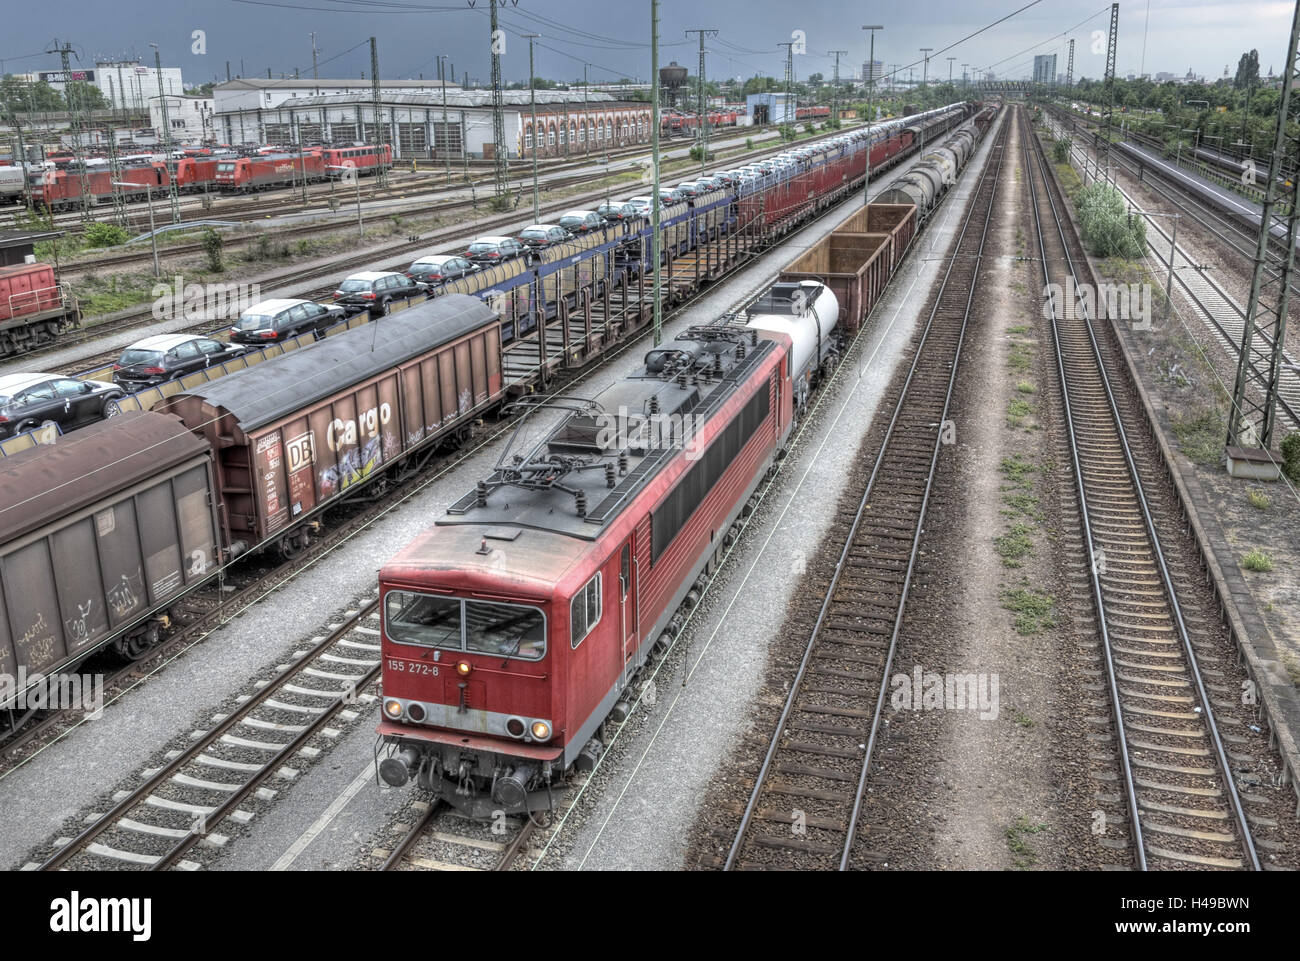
[
  {"x": 965, "y": 74},
  {"x": 167, "y": 139},
  {"x": 314, "y": 74},
  {"x": 115, "y": 172},
  {"x": 586, "y": 114},
  {"x": 1252, "y": 418},
  {"x": 498, "y": 117},
  {"x": 704, "y": 105},
  {"x": 655, "y": 244},
  {"x": 377, "y": 100},
  {"x": 1069, "y": 70},
  {"x": 950, "y": 61},
  {"x": 1103, "y": 142},
  {"x": 835, "y": 90},
  {"x": 871, "y": 86},
  {"x": 22, "y": 154},
  {"x": 788, "y": 112},
  {"x": 532, "y": 95},
  {"x": 925, "y": 74},
  {"x": 78, "y": 125},
  {"x": 446, "y": 134}
]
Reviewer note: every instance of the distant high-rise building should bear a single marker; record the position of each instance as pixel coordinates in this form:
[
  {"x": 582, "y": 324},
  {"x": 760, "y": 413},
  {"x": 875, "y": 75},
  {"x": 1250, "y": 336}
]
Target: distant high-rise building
[
  {"x": 1045, "y": 68},
  {"x": 872, "y": 70}
]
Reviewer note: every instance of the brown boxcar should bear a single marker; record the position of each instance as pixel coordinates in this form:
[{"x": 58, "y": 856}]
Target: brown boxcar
[
  {"x": 290, "y": 437},
  {"x": 101, "y": 531},
  {"x": 857, "y": 265}
]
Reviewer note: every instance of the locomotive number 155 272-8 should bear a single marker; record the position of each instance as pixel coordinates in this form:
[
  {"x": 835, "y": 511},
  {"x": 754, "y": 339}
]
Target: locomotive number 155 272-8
[{"x": 413, "y": 667}]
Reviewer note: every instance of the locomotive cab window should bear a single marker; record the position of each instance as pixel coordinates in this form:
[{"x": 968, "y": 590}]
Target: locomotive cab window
[
  {"x": 423, "y": 620},
  {"x": 508, "y": 630},
  {"x": 584, "y": 611}
]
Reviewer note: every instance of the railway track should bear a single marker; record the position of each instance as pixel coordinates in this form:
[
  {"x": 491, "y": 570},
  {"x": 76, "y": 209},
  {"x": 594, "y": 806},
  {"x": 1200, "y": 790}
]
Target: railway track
[
  {"x": 443, "y": 840},
  {"x": 1225, "y": 317},
  {"x": 807, "y": 797},
  {"x": 1160, "y": 652},
  {"x": 179, "y": 805}
]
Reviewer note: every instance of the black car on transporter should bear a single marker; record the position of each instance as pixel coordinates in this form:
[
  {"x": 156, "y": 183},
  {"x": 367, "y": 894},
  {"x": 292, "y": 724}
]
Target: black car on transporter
[
  {"x": 28, "y": 401},
  {"x": 272, "y": 321},
  {"x": 376, "y": 290},
  {"x": 156, "y": 360}
]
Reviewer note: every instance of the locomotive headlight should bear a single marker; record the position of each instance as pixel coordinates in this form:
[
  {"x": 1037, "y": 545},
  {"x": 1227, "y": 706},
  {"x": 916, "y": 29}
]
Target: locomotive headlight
[
  {"x": 463, "y": 668},
  {"x": 541, "y": 731},
  {"x": 393, "y": 708}
]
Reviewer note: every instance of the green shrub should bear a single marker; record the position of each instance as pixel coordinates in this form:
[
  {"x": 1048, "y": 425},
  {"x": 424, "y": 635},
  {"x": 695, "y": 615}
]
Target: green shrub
[
  {"x": 212, "y": 244},
  {"x": 1257, "y": 561},
  {"x": 1291, "y": 457},
  {"x": 105, "y": 235},
  {"x": 1061, "y": 151},
  {"x": 1108, "y": 229},
  {"x": 749, "y": 143}
]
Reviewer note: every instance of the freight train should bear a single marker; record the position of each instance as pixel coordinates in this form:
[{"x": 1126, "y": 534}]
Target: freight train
[
  {"x": 522, "y": 620},
  {"x": 283, "y": 440}
]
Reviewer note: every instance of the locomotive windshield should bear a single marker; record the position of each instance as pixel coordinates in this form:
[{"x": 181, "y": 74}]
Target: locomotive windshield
[
  {"x": 509, "y": 630},
  {"x": 225, "y": 168}
]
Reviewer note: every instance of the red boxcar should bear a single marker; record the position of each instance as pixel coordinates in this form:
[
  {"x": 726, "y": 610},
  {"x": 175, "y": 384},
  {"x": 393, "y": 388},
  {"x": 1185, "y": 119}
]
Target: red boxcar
[
  {"x": 514, "y": 626},
  {"x": 293, "y": 435}
]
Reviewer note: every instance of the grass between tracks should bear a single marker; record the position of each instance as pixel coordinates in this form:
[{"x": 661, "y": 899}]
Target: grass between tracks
[{"x": 1023, "y": 856}]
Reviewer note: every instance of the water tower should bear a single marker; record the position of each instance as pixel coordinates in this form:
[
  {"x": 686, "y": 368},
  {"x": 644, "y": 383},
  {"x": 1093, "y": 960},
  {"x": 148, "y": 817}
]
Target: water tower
[{"x": 672, "y": 78}]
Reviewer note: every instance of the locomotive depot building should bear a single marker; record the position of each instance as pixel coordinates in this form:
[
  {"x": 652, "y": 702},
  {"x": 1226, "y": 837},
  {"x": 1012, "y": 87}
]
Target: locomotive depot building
[{"x": 260, "y": 110}]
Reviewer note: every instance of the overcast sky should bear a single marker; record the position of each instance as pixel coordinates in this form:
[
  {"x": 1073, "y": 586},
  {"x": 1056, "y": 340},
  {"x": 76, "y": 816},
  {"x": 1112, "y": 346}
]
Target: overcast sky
[{"x": 1204, "y": 35}]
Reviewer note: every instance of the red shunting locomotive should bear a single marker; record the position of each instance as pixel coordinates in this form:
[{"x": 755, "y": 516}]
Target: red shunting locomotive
[{"x": 515, "y": 625}]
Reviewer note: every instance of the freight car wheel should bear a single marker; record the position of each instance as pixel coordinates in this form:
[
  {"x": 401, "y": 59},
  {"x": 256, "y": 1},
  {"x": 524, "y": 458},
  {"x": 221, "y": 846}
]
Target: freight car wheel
[{"x": 139, "y": 644}]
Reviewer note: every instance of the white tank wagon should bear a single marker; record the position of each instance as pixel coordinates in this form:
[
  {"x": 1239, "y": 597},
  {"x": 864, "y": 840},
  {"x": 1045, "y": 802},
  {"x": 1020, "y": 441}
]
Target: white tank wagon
[{"x": 807, "y": 312}]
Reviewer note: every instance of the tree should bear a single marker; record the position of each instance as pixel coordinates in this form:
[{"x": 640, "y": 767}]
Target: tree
[
  {"x": 22, "y": 97},
  {"x": 1247, "y": 71},
  {"x": 87, "y": 95}
]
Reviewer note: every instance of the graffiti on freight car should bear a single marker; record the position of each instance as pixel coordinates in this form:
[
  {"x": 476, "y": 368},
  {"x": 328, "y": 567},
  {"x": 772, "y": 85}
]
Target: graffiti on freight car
[
  {"x": 37, "y": 642},
  {"x": 347, "y": 433},
  {"x": 79, "y": 628},
  {"x": 125, "y": 597}
]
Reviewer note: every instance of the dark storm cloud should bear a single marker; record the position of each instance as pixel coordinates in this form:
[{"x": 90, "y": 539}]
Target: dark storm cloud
[{"x": 613, "y": 37}]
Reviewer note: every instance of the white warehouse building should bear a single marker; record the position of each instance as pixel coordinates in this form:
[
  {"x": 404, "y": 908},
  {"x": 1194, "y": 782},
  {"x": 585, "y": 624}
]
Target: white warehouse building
[
  {"x": 411, "y": 115},
  {"x": 192, "y": 119}
]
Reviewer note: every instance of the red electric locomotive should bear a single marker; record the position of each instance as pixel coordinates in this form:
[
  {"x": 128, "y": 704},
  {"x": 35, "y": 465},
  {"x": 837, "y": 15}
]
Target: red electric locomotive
[
  {"x": 244, "y": 174},
  {"x": 60, "y": 189},
  {"x": 514, "y": 626},
  {"x": 364, "y": 159}
]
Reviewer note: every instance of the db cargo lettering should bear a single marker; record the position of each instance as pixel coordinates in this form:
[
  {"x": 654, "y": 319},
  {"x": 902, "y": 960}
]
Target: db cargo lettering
[{"x": 344, "y": 433}]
